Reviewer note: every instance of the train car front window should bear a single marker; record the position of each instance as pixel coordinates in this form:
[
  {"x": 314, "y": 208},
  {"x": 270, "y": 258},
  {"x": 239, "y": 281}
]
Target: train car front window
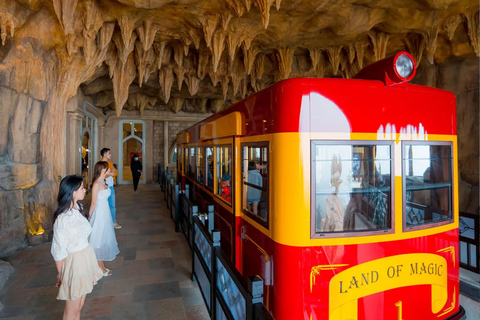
[
  {"x": 352, "y": 185},
  {"x": 200, "y": 166},
  {"x": 427, "y": 183},
  {"x": 224, "y": 173}
]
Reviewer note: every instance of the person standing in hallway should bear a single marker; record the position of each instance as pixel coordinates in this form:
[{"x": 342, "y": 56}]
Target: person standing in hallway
[
  {"x": 74, "y": 257},
  {"x": 102, "y": 238},
  {"x": 112, "y": 172},
  {"x": 136, "y": 167}
]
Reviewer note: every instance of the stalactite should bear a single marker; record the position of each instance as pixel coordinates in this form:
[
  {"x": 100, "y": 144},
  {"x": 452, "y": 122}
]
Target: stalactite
[
  {"x": 143, "y": 57},
  {"x": 146, "y": 33},
  {"x": 237, "y": 6},
  {"x": 318, "y": 64},
  {"x": 349, "y": 69},
  {"x": 141, "y": 101},
  {"x": 3, "y": 27},
  {"x": 233, "y": 41},
  {"x": 178, "y": 53},
  {"x": 225, "y": 81},
  {"x": 350, "y": 53},
  {"x": 218, "y": 45},
  {"x": 360, "y": 52},
  {"x": 244, "y": 87},
  {"x": 217, "y": 105},
  {"x": 226, "y": 17},
  {"x": 127, "y": 25},
  {"x": 237, "y": 73},
  {"x": 258, "y": 67},
  {"x": 451, "y": 24},
  {"x": 334, "y": 56},
  {"x": 430, "y": 37},
  {"x": 195, "y": 37},
  {"x": 159, "y": 48},
  {"x": 105, "y": 34},
  {"x": 277, "y": 4},
  {"x": 193, "y": 84},
  {"x": 165, "y": 77},
  {"x": 415, "y": 45},
  {"x": 180, "y": 73},
  {"x": 124, "y": 51},
  {"x": 72, "y": 49},
  {"x": 249, "y": 56},
  {"x": 122, "y": 78},
  {"x": 472, "y": 18},
  {"x": 285, "y": 59},
  {"x": 379, "y": 42},
  {"x": 209, "y": 24},
  {"x": 202, "y": 106},
  {"x": 65, "y": 11},
  {"x": 111, "y": 59},
  {"x": 264, "y": 6},
  {"x": 177, "y": 104},
  {"x": 203, "y": 59}
]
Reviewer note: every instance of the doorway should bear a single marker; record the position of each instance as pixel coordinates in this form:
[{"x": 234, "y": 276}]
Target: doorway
[
  {"x": 132, "y": 143},
  {"x": 86, "y": 159}
]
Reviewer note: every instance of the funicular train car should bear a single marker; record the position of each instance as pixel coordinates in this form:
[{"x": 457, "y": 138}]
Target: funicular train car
[{"x": 341, "y": 194}]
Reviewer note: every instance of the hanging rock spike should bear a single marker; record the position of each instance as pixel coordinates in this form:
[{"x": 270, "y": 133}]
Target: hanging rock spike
[
  {"x": 193, "y": 84},
  {"x": 218, "y": 45},
  {"x": 430, "y": 37},
  {"x": 379, "y": 42},
  {"x": 317, "y": 62},
  {"x": 472, "y": 18},
  {"x": 264, "y": 6},
  {"x": 65, "y": 11},
  {"x": 415, "y": 44},
  {"x": 105, "y": 34},
  {"x": 127, "y": 25},
  {"x": 180, "y": 73},
  {"x": 334, "y": 56},
  {"x": 285, "y": 59},
  {"x": 177, "y": 104},
  {"x": 165, "y": 77},
  {"x": 360, "y": 52},
  {"x": 122, "y": 78},
  {"x": 249, "y": 56},
  {"x": 451, "y": 24},
  {"x": 159, "y": 48},
  {"x": 146, "y": 33},
  {"x": 209, "y": 24}
]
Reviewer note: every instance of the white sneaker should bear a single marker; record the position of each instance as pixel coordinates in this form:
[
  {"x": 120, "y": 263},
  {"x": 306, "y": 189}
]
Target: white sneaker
[
  {"x": 117, "y": 226},
  {"x": 137, "y": 191}
]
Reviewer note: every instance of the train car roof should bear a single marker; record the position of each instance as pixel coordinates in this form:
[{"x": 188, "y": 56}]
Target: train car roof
[{"x": 341, "y": 105}]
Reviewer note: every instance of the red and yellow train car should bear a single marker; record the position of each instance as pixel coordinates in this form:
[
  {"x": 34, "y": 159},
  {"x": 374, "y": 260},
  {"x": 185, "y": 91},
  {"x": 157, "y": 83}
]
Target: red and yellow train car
[{"x": 341, "y": 194}]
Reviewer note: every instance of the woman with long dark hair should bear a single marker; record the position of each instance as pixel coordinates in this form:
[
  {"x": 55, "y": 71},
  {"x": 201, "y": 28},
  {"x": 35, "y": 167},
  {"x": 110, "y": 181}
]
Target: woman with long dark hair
[
  {"x": 75, "y": 259},
  {"x": 103, "y": 238}
]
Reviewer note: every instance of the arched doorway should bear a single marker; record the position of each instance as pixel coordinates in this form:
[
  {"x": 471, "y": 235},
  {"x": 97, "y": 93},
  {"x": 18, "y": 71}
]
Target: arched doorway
[{"x": 132, "y": 133}]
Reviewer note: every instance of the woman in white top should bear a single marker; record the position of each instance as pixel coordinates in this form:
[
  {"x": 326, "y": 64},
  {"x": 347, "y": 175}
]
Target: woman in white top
[
  {"x": 103, "y": 238},
  {"x": 75, "y": 259}
]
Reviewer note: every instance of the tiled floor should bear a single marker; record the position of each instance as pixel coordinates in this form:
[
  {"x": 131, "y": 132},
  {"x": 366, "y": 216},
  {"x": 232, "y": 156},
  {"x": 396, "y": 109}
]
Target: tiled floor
[{"x": 151, "y": 276}]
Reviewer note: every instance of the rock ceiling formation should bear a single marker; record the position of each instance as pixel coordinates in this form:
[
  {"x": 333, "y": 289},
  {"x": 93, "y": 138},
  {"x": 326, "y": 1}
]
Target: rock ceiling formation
[{"x": 201, "y": 55}]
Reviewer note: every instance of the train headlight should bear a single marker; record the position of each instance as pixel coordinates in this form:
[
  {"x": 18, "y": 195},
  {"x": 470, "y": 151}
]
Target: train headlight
[{"x": 404, "y": 66}]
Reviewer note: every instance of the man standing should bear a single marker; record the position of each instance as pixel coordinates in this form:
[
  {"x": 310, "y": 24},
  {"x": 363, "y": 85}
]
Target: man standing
[{"x": 112, "y": 172}]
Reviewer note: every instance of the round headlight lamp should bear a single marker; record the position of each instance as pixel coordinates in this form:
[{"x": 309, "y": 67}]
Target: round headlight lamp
[{"x": 404, "y": 66}]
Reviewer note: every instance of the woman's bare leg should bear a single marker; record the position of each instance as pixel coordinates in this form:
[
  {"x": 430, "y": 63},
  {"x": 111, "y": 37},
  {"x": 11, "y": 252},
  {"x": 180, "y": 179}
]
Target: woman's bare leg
[
  {"x": 73, "y": 308},
  {"x": 79, "y": 315},
  {"x": 102, "y": 266}
]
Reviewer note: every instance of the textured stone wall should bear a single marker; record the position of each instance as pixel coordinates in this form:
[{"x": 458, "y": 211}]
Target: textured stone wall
[
  {"x": 461, "y": 76},
  {"x": 174, "y": 128},
  {"x": 25, "y": 200}
]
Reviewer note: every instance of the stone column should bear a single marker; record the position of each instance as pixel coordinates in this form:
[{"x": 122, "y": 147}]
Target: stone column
[
  {"x": 165, "y": 143},
  {"x": 73, "y": 142},
  {"x": 100, "y": 139}
]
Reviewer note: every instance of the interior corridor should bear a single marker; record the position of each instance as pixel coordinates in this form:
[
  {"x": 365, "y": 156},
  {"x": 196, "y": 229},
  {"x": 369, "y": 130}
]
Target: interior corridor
[{"x": 151, "y": 275}]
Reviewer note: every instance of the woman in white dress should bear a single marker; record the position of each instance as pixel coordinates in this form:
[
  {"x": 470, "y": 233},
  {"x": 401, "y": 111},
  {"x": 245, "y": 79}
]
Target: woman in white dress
[
  {"x": 75, "y": 259},
  {"x": 103, "y": 238}
]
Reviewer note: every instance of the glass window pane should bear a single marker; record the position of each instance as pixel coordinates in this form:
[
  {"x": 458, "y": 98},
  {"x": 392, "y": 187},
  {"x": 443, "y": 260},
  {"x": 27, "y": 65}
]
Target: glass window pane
[
  {"x": 255, "y": 180},
  {"x": 191, "y": 163},
  {"x": 352, "y": 187},
  {"x": 224, "y": 172},
  {"x": 138, "y": 130},
  {"x": 428, "y": 182},
  {"x": 209, "y": 156},
  {"x": 127, "y": 129},
  {"x": 200, "y": 165}
]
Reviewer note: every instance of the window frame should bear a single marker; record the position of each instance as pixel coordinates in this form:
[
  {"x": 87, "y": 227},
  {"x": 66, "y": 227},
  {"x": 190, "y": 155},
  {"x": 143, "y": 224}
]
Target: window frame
[
  {"x": 352, "y": 233},
  {"x": 428, "y": 225},
  {"x": 215, "y": 174},
  {"x": 251, "y": 215},
  {"x": 202, "y": 148}
]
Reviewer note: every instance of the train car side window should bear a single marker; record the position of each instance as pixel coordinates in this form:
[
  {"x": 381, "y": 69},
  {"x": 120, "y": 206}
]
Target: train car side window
[
  {"x": 224, "y": 173},
  {"x": 427, "y": 184},
  {"x": 255, "y": 180},
  {"x": 352, "y": 187},
  {"x": 200, "y": 166},
  {"x": 180, "y": 159},
  {"x": 209, "y": 167},
  {"x": 191, "y": 163}
]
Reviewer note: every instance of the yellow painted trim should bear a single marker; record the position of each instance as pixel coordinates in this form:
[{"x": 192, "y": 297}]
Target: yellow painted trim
[
  {"x": 232, "y": 124},
  {"x": 183, "y": 138}
]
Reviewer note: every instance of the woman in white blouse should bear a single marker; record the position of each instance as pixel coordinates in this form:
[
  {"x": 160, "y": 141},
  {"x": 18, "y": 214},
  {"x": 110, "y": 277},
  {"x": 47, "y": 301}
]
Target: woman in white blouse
[{"x": 75, "y": 259}]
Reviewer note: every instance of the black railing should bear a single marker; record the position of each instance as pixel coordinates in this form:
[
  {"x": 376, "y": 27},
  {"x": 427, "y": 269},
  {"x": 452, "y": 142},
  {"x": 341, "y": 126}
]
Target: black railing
[
  {"x": 469, "y": 228},
  {"x": 226, "y": 294}
]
